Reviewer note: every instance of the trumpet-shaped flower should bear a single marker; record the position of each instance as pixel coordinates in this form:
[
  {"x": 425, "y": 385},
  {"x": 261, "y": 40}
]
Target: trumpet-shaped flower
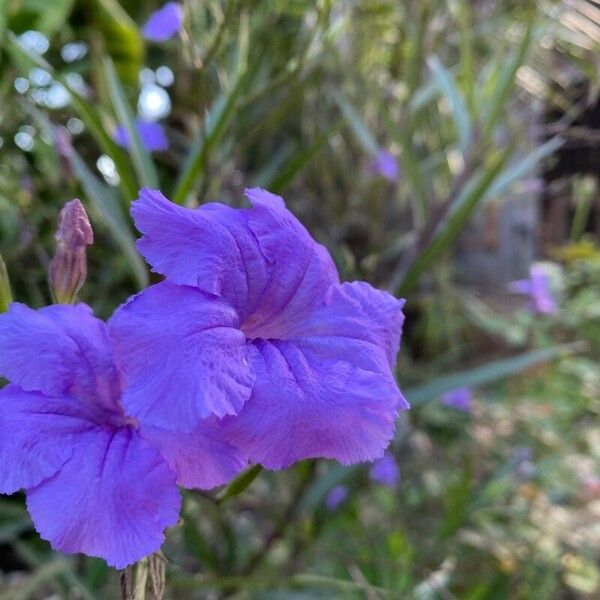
[
  {"x": 96, "y": 482},
  {"x": 460, "y": 399},
  {"x": 385, "y": 471},
  {"x": 539, "y": 290},
  {"x": 252, "y": 324}
]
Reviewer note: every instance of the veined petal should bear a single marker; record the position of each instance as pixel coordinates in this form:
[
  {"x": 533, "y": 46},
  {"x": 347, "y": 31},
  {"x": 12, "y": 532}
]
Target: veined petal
[
  {"x": 307, "y": 406},
  {"x": 182, "y": 357},
  {"x": 59, "y": 350},
  {"x": 200, "y": 459},
  {"x": 37, "y": 436},
  {"x": 113, "y": 499}
]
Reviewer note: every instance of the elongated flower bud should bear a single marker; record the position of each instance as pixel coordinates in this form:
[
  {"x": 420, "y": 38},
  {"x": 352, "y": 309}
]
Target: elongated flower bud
[
  {"x": 5, "y": 292},
  {"x": 68, "y": 268}
]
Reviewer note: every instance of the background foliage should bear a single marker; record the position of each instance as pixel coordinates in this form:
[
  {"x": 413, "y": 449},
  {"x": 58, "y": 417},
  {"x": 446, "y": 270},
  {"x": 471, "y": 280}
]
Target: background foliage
[{"x": 299, "y": 97}]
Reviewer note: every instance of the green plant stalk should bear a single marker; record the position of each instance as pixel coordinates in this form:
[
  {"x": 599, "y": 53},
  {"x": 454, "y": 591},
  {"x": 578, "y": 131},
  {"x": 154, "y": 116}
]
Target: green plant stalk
[{"x": 6, "y": 296}]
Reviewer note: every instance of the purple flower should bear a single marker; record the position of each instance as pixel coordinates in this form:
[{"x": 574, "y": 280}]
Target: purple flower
[
  {"x": 385, "y": 471},
  {"x": 95, "y": 480},
  {"x": 164, "y": 23},
  {"x": 252, "y": 321},
  {"x": 384, "y": 164},
  {"x": 152, "y": 135},
  {"x": 336, "y": 496},
  {"x": 539, "y": 290},
  {"x": 460, "y": 399}
]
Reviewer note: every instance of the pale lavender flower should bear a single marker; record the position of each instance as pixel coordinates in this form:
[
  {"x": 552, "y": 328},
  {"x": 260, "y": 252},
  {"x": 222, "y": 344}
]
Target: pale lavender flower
[
  {"x": 538, "y": 289},
  {"x": 152, "y": 135},
  {"x": 336, "y": 496},
  {"x": 384, "y": 164},
  {"x": 164, "y": 23},
  {"x": 385, "y": 471},
  {"x": 460, "y": 399}
]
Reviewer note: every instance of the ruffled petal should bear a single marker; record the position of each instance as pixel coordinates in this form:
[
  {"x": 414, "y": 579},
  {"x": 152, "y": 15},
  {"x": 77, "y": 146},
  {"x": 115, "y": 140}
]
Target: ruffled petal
[
  {"x": 261, "y": 261},
  {"x": 209, "y": 248},
  {"x": 305, "y": 405},
  {"x": 59, "y": 350},
  {"x": 37, "y": 436},
  {"x": 113, "y": 499},
  {"x": 200, "y": 459},
  {"x": 356, "y": 323},
  {"x": 182, "y": 357},
  {"x": 300, "y": 270}
]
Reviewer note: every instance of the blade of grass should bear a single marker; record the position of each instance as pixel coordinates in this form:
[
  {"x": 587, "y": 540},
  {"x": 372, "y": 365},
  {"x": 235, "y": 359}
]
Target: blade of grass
[
  {"x": 448, "y": 89},
  {"x": 219, "y": 118},
  {"x": 455, "y": 220},
  {"x": 5, "y": 290},
  {"x": 239, "y": 484},
  {"x": 488, "y": 373},
  {"x": 142, "y": 161},
  {"x": 356, "y": 123}
]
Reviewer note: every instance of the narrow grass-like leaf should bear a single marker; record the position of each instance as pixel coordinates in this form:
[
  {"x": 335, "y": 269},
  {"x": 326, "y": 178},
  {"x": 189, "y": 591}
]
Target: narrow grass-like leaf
[
  {"x": 89, "y": 115},
  {"x": 457, "y": 217},
  {"x": 104, "y": 201},
  {"x": 220, "y": 116},
  {"x": 356, "y": 123},
  {"x": 447, "y": 87},
  {"x": 142, "y": 161},
  {"x": 239, "y": 484},
  {"x": 504, "y": 81},
  {"x": 488, "y": 373},
  {"x": 5, "y": 290}
]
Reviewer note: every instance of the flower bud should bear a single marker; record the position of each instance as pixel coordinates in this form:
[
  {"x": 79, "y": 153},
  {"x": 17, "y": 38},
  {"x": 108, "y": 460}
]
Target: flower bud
[
  {"x": 5, "y": 292},
  {"x": 68, "y": 268}
]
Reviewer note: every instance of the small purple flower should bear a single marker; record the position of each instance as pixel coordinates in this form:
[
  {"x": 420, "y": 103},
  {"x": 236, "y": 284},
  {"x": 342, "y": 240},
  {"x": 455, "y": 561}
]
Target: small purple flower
[
  {"x": 385, "y": 471},
  {"x": 539, "y": 290},
  {"x": 336, "y": 496},
  {"x": 152, "y": 136},
  {"x": 164, "y": 23},
  {"x": 96, "y": 481},
  {"x": 384, "y": 164},
  {"x": 252, "y": 321},
  {"x": 460, "y": 399}
]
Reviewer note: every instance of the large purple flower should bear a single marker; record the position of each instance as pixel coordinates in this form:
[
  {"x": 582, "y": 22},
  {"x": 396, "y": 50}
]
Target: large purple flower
[
  {"x": 252, "y": 321},
  {"x": 96, "y": 482}
]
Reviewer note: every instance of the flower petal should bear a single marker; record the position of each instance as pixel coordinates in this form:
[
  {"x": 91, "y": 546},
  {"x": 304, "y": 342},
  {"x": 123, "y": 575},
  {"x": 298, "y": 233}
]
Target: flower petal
[
  {"x": 262, "y": 261},
  {"x": 300, "y": 270},
  {"x": 113, "y": 499},
  {"x": 37, "y": 436},
  {"x": 200, "y": 459},
  {"x": 309, "y": 406},
  {"x": 182, "y": 357},
  {"x": 164, "y": 23},
  {"x": 59, "y": 350},
  {"x": 209, "y": 248}
]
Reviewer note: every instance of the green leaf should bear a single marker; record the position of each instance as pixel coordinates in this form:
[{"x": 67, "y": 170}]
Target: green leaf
[
  {"x": 5, "y": 290},
  {"x": 89, "y": 115},
  {"x": 503, "y": 81},
  {"x": 454, "y": 221},
  {"x": 239, "y": 484},
  {"x": 446, "y": 85},
  {"x": 219, "y": 117},
  {"x": 107, "y": 207},
  {"x": 356, "y": 123},
  {"x": 122, "y": 37},
  {"x": 142, "y": 161},
  {"x": 488, "y": 373}
]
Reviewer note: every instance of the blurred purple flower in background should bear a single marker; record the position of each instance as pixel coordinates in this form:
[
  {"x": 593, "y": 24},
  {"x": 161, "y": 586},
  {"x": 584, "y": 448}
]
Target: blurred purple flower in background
[
  {"x": 164, "y": 23},
  {"x": 152, "y": 136},
  {"x": 336, "y": 496},
  {"x": 385, "y": 165},
  {"x": 460, "y": 399},
  {"x": 538, "y": 289},
  {"x": 385, "y": 471}
]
